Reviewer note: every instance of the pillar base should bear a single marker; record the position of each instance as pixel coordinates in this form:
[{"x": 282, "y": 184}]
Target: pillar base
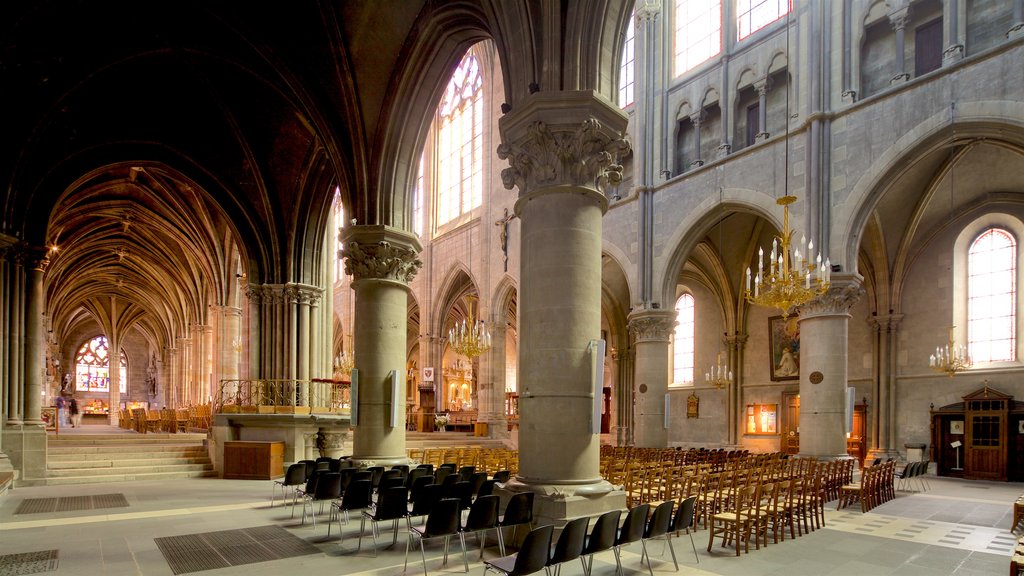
[
  {"x": 826, "y": 458},
  {"x": 881, "y": 453},
  {"x": 25, "y": 448},
  {"x": 385, "y": 461},
  {"x": 556, "y": 504}
]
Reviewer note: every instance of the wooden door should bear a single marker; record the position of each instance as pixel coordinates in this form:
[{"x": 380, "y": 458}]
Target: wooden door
[
  {"x": 856, "y": 444},
  {"x": 790, "y": 423},
  {"x": 985, "y": 454}
]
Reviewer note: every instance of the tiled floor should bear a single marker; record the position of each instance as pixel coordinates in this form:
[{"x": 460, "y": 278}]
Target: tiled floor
[{"x": 957, "y": 527}]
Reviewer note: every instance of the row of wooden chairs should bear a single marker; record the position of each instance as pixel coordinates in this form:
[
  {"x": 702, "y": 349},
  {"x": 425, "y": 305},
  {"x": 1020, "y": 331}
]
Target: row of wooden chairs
[
  {"x": 876, "y": 487},
  {"x": 485, "y": 459},
  {"x": 167, "y": 420}
]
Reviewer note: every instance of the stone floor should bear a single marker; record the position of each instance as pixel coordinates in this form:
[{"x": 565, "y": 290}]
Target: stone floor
[{"x": 957, "y": 527}]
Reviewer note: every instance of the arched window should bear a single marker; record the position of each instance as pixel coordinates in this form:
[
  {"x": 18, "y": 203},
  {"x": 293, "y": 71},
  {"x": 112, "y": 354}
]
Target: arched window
[
  {"x": 627, "y": 69},
  {"x": 92, "y": 372},
  {"x": 460, "y": 142},
  {"x": 752, "y": 15},
  {"x": 698, "y": 33},
  {"x": 682, "y": 341},
  {"x": 992, "y": 297},
  {"x": 339, "y": 222}
]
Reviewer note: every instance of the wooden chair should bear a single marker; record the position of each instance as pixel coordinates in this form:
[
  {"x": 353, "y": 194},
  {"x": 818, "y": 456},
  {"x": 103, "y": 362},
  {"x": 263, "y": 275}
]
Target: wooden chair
[{"x": 734, "y": 524}]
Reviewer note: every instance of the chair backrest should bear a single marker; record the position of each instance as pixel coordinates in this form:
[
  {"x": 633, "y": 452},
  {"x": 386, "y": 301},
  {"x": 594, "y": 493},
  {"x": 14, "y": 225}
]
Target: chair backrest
[
  {"x": 443, "y": 473},
  {"x": 324, "y": 465},
  {"x": 392, "y": 473},
  {"x": 463, "y": 491},
  {"x": 295, "y": 475},
  {"x": 311, "y": 481},
  {"x": 660, "y": 522},
  {"x": 328, "y": 486},
  {"x": 534, "y": 553},
  {"x": 377, "y": 472},
  {"x": 392, "y": 503},
  {"x": 415, "y": 473},
  {"x": 310, "y": 467},
  {"x": 363, "y": 475},
  {"x": 483, "y": 514},
  {"x": 347, "y": 474},
  {"x": 443, "y": 518},
  {"x": 428, "y": 467},
  {"x": 502, "y": 476},
  {"x": 466, "y": 472},
  {"x": 602, "y": 537},
  {"x": 519, "y": 509},
  {"x": 423, "y": 501},
  {"x": 357, "y": 496},
  {"x": 570, "y": 542},
  {"x": 335, "y": 465},
  {"x": 633, "y": 527},
  {"x": 477, "y": 480},
  {"x": 684, "y": 514},
  {"x": 486, "y": 489},
  {"x": 417, "y": 486}
]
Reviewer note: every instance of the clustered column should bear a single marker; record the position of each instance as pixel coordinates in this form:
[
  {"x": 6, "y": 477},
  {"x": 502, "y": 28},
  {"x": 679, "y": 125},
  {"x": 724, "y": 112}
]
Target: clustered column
[
  {"x": 560, "y": 147},
  {"x": 382, "y": 262},
  {"x": 883, "y": 407},
  {"x": 824, "y": 329},
  {"x": 651, "y": 330},
  {"x": 898, "y": 19}
]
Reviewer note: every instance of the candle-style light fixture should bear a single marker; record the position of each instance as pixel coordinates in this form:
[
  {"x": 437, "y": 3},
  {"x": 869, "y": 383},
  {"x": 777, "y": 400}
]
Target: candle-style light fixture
[
  {"x": 470, "y": 338},
  {"x": 793, "y": 275},
  {"x": 951, "y": 358},
  {"x": 719, "y": 375}
]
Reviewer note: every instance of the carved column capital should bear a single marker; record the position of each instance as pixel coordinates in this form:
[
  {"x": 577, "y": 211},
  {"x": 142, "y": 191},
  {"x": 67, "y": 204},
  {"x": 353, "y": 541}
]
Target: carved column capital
[
  {"x": 380, "y": 253},
  {"x": 885, "y": 322},
  {"x": 652, "y": 325},
  {"x": 647, "y": 10},
  {"x": 844, "y": 292},
  {"x": 762, "y": 86},
  {"x": 899, "y": 18}
]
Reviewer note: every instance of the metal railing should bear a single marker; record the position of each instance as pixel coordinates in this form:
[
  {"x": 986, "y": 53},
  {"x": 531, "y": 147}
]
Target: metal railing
[{"x": 283, "y": 396}]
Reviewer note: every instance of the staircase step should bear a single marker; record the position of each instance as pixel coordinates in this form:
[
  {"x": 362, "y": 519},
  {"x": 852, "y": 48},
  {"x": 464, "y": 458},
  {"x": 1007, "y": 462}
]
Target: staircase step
[
  {"x": 83, "y": 452},
  {"x": 124, "y": 477},
  {"x": 125, "y": 463},
  {"x": 126, "y": 470}
]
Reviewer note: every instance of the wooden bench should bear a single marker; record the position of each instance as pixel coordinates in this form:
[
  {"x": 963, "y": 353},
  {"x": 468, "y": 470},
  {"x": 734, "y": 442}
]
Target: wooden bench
[
  {"x": 1017, "y": 560},
  {"x": 1018, "y": 513}
]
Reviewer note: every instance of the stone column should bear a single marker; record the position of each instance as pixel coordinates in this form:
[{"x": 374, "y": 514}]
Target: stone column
[
  {"x": 898, "y": 18},
  {"x": 382, "y": 262},
  {"x": 302, "y": 347},
  {"x": 492, "y": 385},
  {"x": 12, "y": 334},
  {"x": 170, "y": 377},
  {"x": 560, "y": 147},
  {"x": 5, "y": 332},
  {"x": 182, "y": 386},
  {"x": 114, "y": 380},
  {"x": 954, "y": 51},
  {"x": 35, "y": 342},
  {"x": 737, "y": 348},
  {"x": 762, "y": 110},
  {"x": 697, "y": 118},
  {"x": 824, "y": 328},
  {"x": 1017, "y": 29},
  {"x": 624, "y": 395},
  {"x": 651, "y": 330},
  {"x": 883, "y": 390}
]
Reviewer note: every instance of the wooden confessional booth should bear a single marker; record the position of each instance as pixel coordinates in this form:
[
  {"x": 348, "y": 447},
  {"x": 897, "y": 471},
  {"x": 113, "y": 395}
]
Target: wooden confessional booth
[{"x": 981, "y": 438}]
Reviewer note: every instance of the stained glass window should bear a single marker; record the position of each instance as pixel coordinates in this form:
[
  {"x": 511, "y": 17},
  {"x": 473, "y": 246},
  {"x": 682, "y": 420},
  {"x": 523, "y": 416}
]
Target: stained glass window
[
  {"x": 92, "y": 372},
  {"x": 683, "y": 341},
  {"x": 460, "y": 142}
]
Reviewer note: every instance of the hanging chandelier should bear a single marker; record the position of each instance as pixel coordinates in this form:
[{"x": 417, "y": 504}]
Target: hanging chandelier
[
  {"x": 719, "y": 375},
  {"x": 470, "y": 338},
  {"x": 951, "y": 358},
  {"x": 791, "y": 278}
]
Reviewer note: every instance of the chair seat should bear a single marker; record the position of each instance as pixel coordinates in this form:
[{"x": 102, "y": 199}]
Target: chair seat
[
  {"x": 505, "y": 564},
  {"x": 731, "y": 516}
]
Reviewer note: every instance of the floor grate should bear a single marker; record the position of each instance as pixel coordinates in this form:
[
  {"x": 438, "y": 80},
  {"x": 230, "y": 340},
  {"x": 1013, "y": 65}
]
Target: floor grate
[
  {"x": 28, "y": 563},
  {"x": 71, "y": 503},
  {"x": 210, "y": 550}
]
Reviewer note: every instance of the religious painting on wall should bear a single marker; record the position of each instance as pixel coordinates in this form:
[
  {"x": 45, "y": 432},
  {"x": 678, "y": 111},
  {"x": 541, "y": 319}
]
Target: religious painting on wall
[{"x": 784, "y": 348}]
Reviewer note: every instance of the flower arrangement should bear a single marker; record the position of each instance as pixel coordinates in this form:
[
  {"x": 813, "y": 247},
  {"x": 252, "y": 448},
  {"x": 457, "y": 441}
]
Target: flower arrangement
[{"x": 440, "y": 421}]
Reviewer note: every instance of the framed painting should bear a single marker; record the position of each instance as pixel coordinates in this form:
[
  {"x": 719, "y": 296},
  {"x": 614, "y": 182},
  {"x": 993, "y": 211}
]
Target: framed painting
[{"x": 784, "y": 348}]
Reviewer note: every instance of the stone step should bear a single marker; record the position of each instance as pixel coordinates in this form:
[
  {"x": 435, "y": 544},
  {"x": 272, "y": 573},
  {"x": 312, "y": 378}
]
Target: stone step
[
  {"x": 128, "y": 441},
  {"x": 123, "y": 477},
  {"x": 128, "y": 470},
  {"x": 125, "y": 463},
  {"x": 156, "y": 450}
]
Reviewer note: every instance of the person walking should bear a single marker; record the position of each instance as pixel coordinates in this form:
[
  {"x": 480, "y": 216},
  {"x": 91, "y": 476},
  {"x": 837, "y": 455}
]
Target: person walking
[
  {"x": 76, "y": 416},
  {"x": 62, "y": 412}
]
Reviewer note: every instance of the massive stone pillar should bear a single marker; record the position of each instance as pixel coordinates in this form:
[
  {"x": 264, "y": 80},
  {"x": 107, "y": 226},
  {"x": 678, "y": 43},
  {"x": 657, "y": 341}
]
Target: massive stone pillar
[
  {"x": 560, "y": 147},
  {"x": 35, "y": 342},
  {"x": 382, "y": 262},
  {"x": 652, "y": 331},
  {"x": 824, "y": 329}
]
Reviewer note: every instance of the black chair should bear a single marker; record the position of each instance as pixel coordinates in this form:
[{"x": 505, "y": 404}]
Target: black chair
[
  {"x": 519, "y": 510},
  {"x": 442, "y": 522},
  {"x": 483, "y": 516},
  {"x": 532, "y": 555},
  {"x": 347, "y": 474},
  {"x": 428, "y": 467},
  {"x": 363, "y": 475},
  {"x": 658, "y": 526},
  {"x": 423, "y": 502},
  {"x": 632, "y": 529},
  {"x": 294, "y": 476},
  {"x": 570, "y": 544},
  {"x": 396, "y": 482},
  {"x": 486, "y": 489},
  {"x": 448, "y": 466},
  {"x": 308, "y": 488},
  {"x": 418, "y": 485},
  {"x": 466, "y": 472},
  {"x": 328, "y": 487},
  {"x": 357, "y": 497},
  {"x": 601, "y": 538},
  {"x": 377, "y": 472},
  {"x": 310, "y": 467},
  {"x": 463, "y": 491},
  {"x": 477, "y": 480},
  {"x": 414, "y": 474},
  {"x": 392, "y": 504},
  {"x": 444, "y": 473},
  {"x": 502, "y": 476},
  {"x": 390, "y": 475},
  {"x": 904, "y": 475},
  {"x": 684, "y": 521},
  {"x": 334, "y": 465}
]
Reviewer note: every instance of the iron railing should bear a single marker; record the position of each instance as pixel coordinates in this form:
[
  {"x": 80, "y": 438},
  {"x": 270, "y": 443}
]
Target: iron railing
[{"x": 283, "y": 396}]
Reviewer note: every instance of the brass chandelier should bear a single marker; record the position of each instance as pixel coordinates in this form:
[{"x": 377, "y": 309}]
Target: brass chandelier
[
  {"x": 719, "y": 375},
  {"x": 791, "y": 278},
  {"x": 951, "y": 358},
  {"x": 470, "y": 338}
]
